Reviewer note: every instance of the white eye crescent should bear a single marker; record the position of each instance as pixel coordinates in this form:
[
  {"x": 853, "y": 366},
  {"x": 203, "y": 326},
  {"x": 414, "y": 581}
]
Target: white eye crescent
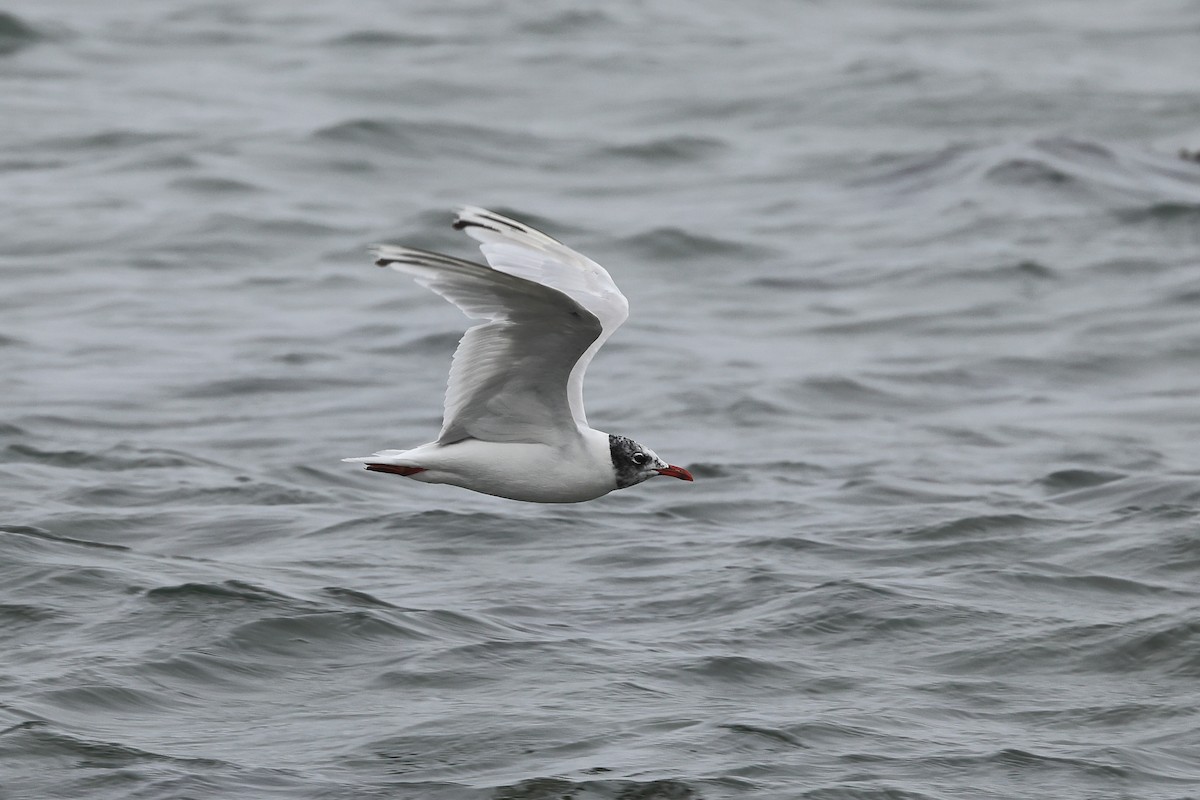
[{"x": 639, "y": 458}]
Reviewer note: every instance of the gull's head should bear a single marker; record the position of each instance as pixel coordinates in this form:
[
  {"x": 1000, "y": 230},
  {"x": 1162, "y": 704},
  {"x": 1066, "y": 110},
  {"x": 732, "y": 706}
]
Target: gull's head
[{"x": 634, "y": 463}]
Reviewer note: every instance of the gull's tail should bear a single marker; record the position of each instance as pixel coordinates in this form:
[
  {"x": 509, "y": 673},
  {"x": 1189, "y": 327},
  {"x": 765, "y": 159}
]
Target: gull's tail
[
  {"x": 391, "y": 461},
  {"x": 395, "y": 469}
]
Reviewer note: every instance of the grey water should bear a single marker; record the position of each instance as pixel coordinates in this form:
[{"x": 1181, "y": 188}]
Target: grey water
[{"x": 915, "y": 293}]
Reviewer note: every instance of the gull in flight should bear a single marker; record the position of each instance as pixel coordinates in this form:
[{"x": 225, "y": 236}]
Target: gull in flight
[{"x": 513, "y": 424}]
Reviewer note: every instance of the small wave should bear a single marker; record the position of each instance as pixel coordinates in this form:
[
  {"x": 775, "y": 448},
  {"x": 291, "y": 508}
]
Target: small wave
[
  {"x": 261, "y": 384},
  {"x": 675, "y": 243},
  {"x": 1027, "y": 760},
  {"x": 887, "y": 322},
  {"x": 526, "y": 653},
  {"x": 31, "y": 164},
  {"x": 315, "y": 634},
  {"x": 560, "y": 789},
  {"x": 846, "y": 393},
  {"x": 357, "y": 598},
  {"x": 854, "y": 611},
  {"x": 738, "y": 669},
  {"x": 16, "y": 616},
  {"x": 1185, "y": 297},
  {"x": 1023, "y": 269},
  {"x": 985, "y": 526},
  {"x": 1085, "y": 171},
  {"x": 43, "y": 534},
  {"x": 1057, "y": 162},
  {"x": 1135, "y": 493},
  {"x": 231, "y": 590},
  {"x": 873, "y": 491},
  {"x": 372, "y": 38},
  {"x": 392, "y": 138},
  {"x": 117, "y": 458},
  {"x": 565, "y": 22},
  {"x": 636, "y": 556},
  {"x": 1167, "y": 213},
  {"x": 1098, "y": 585},
  {"x": 205, "y": 670},
  {"x": 1064, "y": 480},
  {"x": 801, "y": 283},
  {"x": 708, "y": 469},
  {"x": 298, "y": 358},
  {"x": 109, "y": 699},
  {"x": 909, "y": 173},
  {"x": 248, "y": 493},
  {"x": 16, "y": 34},
  {"x": 973, "y": 437},
  {"x": 755, "y": 411},
  {"x": 720, "y": 513},
  {"x": 224, "y": 224},
  {"x": 462, "y": 626},
  {"x": 673, "y": 149},
  {"x": 457, "y": 679},
  {"x": 1160, "y": 646},
  {"x": 1164, "y": 647},
  {"x": 120, "y": 139},
  {"x": 40, "y": 739},
  {"x": 795, "y": 543},
  {"x": 365, "y": 131},
  {"x": 772, "y": 734},
  {"x": 1026, "y": 172},
  {"x": 737, "y": 408},
  {"x": 446, "y": 532},
  {"x": 219, "y": 186}
]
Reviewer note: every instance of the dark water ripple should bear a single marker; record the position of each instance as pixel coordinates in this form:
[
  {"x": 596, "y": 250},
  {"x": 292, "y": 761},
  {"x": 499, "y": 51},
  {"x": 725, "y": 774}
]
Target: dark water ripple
[
  {"x": 913, "y": 297},
  {"x": 16, "y": 34},
  {"x": 671, "y": 149}
]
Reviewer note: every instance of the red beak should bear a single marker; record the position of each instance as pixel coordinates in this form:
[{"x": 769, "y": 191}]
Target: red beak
[{"x": 676, "y": 472}]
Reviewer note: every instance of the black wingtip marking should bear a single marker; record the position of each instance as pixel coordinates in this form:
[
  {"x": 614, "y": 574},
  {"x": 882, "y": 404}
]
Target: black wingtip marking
[
  {"x": 460, "y": 224},
  {"x": 383, "y": 262},
  {"x": 503, "y": 221}
]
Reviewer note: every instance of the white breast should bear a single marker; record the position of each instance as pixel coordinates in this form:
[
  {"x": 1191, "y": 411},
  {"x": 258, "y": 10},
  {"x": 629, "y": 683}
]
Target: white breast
[{"x": 538, "y": 473}]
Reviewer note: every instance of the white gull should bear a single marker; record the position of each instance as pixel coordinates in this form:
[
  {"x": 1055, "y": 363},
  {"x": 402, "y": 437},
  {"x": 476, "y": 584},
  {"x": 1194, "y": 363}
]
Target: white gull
[{"x": 513, "y": 424}]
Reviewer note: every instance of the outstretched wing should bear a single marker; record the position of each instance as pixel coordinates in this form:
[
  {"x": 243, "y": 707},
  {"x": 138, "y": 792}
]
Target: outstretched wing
[
  {"x": 517, "y": 249},
  {"x": 509, "y": 378}
]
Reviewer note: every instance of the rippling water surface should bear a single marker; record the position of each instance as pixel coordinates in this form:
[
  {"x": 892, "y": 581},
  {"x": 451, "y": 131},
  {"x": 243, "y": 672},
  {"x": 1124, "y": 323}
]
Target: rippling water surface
[{"x": 916, "y": 295}]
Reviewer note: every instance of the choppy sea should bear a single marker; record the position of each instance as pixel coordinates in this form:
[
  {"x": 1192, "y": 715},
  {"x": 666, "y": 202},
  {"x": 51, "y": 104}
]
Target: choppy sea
[{"x": 915, "y": 293}]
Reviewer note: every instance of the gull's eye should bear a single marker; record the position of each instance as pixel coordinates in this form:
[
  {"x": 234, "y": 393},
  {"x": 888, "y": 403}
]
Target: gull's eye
[{"x": 639, "y": 458}]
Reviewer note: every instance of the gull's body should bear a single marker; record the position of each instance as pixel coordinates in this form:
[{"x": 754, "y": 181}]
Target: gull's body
[
  {"x": 514, "y": 424},
  {"x": 578, "y": 470}
]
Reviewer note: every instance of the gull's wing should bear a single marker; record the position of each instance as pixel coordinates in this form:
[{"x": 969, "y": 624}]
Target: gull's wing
[
  {"x": 517, "y": 249},
  {"x": 508, "y": 381}
]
